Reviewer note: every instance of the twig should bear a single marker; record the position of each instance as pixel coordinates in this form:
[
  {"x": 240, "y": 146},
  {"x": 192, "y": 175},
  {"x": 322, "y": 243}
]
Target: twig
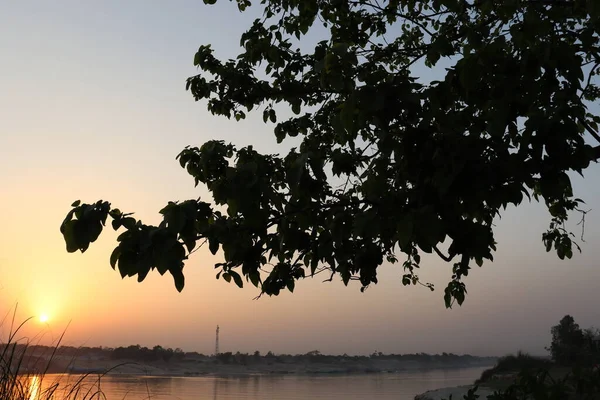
[
  {"x": 590, "y": 130},
  {"x": 582, "y": 222},
  {"x": 197, "y": 248},
  {"x": 589, "y": 79},
  {"x": 442, "y": 255}
]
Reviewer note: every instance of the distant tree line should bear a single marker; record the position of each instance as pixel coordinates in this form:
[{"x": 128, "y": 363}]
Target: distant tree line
[
  {"x": 138, "y": 353},
  {"x": 316, "y": 356},
  {"x": 133, "y": 352},
  {"x": 159, "y": 353}
]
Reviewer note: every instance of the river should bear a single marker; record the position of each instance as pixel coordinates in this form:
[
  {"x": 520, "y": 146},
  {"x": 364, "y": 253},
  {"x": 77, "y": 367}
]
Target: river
[{"x": 397, "y": 386}]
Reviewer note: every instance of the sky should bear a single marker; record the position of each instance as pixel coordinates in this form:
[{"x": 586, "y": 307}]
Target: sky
[{"x": 93, "y": 106}]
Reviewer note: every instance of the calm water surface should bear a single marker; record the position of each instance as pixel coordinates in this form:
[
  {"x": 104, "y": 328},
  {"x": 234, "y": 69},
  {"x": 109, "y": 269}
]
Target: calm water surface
[{"x": 397, "y": 386}]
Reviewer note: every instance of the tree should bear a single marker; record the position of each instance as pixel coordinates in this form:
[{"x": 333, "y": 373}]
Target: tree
[
  {"x": 568, "y": 343},
  {"x": 178, "y": 354},
  {"x": 389, "y": 165},
  {"x": 225, "y": 358},
  {"x": 591, "y": 334}
]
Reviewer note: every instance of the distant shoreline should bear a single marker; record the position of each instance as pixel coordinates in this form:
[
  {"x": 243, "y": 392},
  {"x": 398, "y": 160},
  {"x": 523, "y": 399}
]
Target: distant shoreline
[
  {"x": 228, "y": 371},
  {"x": 141, "y": 361}
]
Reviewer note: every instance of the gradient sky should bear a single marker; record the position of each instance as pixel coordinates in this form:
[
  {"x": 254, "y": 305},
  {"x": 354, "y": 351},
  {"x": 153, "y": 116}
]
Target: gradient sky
[{"x": 93, "y": 106}]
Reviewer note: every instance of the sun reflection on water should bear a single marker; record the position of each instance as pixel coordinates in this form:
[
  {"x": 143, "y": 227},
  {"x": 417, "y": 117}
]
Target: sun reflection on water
[{"x": 34, "y": 387}]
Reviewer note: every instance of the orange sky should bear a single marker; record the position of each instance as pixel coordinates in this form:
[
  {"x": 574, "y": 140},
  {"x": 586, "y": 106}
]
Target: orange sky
[{"x": 93, "y": 107}]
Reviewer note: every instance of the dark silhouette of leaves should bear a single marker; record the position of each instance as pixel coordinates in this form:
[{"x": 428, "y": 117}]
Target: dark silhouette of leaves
[{"x": 389, "y": 162}]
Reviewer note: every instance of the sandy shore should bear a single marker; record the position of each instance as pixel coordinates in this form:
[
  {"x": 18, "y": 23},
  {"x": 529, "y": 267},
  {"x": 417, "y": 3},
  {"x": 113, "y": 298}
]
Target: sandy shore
[{"x": 457, "y": 393}]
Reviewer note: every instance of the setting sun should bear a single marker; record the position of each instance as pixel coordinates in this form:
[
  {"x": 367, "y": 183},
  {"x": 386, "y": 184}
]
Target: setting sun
[{"x": 44, "y": 318}]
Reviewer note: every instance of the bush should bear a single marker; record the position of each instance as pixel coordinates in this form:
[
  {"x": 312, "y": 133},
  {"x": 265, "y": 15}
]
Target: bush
[
  {"x": 514, "y": 364},
  {"x": 580, "y": 384}
]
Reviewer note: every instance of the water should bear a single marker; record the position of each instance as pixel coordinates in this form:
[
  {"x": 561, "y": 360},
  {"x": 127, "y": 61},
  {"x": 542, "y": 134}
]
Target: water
[{"x": 397, "y": 386}]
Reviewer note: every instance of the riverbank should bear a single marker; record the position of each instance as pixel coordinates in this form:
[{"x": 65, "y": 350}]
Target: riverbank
[
  {"x": 456, "y": 392},
  {"x": 499, "y": 377}
]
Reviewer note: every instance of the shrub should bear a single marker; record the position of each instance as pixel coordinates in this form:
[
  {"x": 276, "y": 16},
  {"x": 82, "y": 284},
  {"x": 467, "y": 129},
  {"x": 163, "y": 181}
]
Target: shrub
[{"x": 514, "y": 364}]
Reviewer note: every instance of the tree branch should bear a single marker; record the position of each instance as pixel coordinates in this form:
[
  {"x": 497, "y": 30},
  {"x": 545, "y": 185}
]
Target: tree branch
[
  {"x": 442, "y": 255},
  {"x": 595, "y": 135},
  {"x": 589, "y": 79},
  {"x": 397, "y": 14}
]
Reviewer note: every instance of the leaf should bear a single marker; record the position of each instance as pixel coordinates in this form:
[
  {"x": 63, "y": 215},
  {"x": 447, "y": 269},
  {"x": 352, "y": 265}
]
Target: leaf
[
  {"x": 460, "y": 297},
  {"x": 254, "y": 278},
  {"x": 114, "y": 257},
  {"x": 68, "y": 217},
  {"x": 213, "y": 246},
  {"x": 232, "y": 207},
  {"x": 296, "y": 107},
  {"x": 128, "y": 223},
  {"x": 448, "y": 299},
  {"x": 178, "y": 278},
  {"x": 291, "y": 284},
  {"x": 298, "y": 168},
  {"x": 126, "y": 264},
  {"x": 226, "y": 276},
  {"x": 404, "y": 230},
  {"x": 190, "y": 243},
  {"x": 143, "y": 272},
  {"x": 176, "y": 218},
  {"x": 76, "y": 203},
  {"x": 70, "y": 235},
  {"x": 417, "y": 258},
  {"x": 236, "y": 278},
  {"x": 94, "y": 229}
]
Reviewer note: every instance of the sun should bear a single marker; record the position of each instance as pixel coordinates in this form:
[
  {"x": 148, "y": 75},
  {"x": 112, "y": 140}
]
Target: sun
[{"x": 44, "y": 318}]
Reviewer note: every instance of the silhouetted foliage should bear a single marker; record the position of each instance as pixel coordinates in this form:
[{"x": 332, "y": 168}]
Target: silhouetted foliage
[
  {"x": 225, "y": 358},
  {"x": 510, "y": 364},
  {"x": 159, "y": 353},
  {"x": 144, "y": 354},
  {"x": 386, "y": 161},
  {"x": 580, "y": 384},
  {"x": 567, "y": 341},
  {"x": 573, "y": 346},
  {"x": 532, "y": 378}
]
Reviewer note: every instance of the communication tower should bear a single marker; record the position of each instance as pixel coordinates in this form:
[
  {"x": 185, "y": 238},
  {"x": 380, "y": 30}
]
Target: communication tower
[{"x": 217, "y": 342}]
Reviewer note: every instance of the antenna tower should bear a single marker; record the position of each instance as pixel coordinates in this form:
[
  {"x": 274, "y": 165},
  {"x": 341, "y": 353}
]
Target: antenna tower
[{"x": 217, "y": 342}]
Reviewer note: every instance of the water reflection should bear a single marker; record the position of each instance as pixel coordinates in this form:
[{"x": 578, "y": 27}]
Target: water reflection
[
  {"x": 34, "y": 387},
  {"x": 397, "y": 386},
  {"x": 159, "y": 385}
]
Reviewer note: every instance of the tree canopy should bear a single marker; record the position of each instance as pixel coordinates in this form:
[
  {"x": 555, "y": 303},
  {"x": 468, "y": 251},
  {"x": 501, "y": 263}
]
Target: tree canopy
[
  {"x": 567, "y": 340},
  {"x": 389, "y": 165},
  {"x": 573, "y": 346}
]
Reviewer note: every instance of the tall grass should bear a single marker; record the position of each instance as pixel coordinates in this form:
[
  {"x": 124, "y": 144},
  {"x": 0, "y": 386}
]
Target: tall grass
[{"x": 24, "y": 375}]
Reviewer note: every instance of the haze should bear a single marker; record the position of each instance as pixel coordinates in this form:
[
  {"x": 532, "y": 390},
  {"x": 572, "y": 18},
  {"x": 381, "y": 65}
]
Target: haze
[{"x": 93, "y": 106}]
